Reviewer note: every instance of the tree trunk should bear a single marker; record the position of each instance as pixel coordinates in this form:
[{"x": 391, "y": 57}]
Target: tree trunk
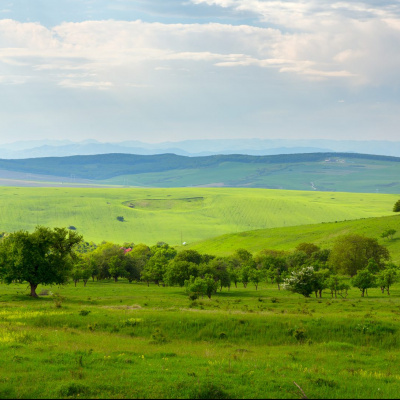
[
  {"x": 33, "y": 290},
  {"x": 362, "y": 292},
  {"x": 115, "y": 278},
  {"x": 320, "y": 294},
  {"x": 84, "y": 283},
  {"x": 75, "y": 283},
  {"x": 279, "y": 286}
]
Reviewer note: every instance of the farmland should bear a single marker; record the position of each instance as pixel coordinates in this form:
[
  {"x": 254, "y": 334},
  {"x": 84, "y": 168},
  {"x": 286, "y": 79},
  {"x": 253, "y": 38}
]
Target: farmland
[
  {"x": 121, "y": 340},
  {"x": 172, "y": 215}
]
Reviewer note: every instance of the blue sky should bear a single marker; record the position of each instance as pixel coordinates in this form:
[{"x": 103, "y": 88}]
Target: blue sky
[{"x": 168, "y": 70}]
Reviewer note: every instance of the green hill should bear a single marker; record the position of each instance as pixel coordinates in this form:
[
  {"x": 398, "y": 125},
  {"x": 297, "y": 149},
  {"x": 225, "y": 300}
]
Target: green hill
[
  {"x": 287, "y": 238},
  {"x": 175, "y": 215},
  {"x": 341, "y": 172}
]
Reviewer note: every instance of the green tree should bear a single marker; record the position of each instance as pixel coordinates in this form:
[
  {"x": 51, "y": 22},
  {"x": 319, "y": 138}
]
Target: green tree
[
  {"x": 191, "y": 256},
  {"x": 177, "y": 272},
  {"x": 105, "y": 257},
  {"x": 255, "y": 276},
  {"x": 321, "y": 281},
  {"x": 308, "y": 248},
  {"x": 396, "y": 207},
  {"x": 364, "y": 280},
  {"x": 83, "y": 268},
  {"x": 116, "y": 267},
  {"x": 388, "y": 234},
  {"x": 199, "y": 286},
  {"x": 218, "y": 268},
  {"x": 45, "y": 256},
  {"x": 352, "y": 253},
  {"x": 336, "y": 285},
  {"x": 386, "y": 279}
]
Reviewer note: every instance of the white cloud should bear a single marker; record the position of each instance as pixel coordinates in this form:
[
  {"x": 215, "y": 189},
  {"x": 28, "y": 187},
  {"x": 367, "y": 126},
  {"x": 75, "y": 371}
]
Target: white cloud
[{"x": 310, "y": 39}]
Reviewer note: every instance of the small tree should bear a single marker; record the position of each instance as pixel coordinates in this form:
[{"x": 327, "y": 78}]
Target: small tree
[
  {"x": 337, "y": 286},
  {"x": 364, "y": 280},
  {"x": 302, "y": 281},
  {"x": 396, "y": 207},
  {"x": 388, "y": 234},
  {"x": 42, "y": 257},
  {"x": 321, "y": 281},
  {"x": 386, "y": 279},
  {"x": 255, "y": 277},
  {"x": 196, "y": 287},
  {"x": 116, "y": 267}
]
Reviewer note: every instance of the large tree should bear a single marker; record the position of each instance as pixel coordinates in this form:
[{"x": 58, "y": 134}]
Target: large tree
[
  {"x": 42, "y": 257},
  {"x": 352, "y": 253},
  {"x": 396, "y": 207}
]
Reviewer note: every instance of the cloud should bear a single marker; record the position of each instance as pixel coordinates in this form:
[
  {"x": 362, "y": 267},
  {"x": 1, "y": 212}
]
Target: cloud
[
  {"x": 313, "y": 40},
  {"x": 340, "y": 38}
]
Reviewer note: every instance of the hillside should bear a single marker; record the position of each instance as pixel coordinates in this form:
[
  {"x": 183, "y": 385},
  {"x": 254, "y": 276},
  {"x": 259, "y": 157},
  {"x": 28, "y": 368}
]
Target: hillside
[
  {"x": 176, "y": 215},
  {"x": 340, "y": 172},
  {"x": 287, "y": 238}
]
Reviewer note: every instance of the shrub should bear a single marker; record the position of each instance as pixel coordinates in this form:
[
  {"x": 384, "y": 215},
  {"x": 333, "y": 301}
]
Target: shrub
[
  {"x": 73, "y": 389},
  {"x": 120, "y": 218}
]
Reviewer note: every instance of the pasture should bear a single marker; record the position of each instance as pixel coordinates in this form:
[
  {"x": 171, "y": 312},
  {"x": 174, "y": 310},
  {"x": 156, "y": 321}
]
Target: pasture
[
  {"x": 121, "y": 340},
  {"x": 176, "y": 215},
  {"x": 287, "y": 238}
]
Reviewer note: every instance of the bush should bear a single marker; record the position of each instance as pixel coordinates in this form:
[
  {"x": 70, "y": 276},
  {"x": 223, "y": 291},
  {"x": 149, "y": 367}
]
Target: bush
[
  {"x": 73, "y": 389},
  {"x": 120, "y": 218}
]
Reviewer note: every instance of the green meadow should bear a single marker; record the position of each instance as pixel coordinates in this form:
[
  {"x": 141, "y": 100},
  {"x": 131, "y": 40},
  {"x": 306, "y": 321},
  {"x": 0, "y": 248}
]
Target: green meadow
[
  {"x": 121, "y": 340},
  {"x": 183, "y": 214},
  {"x": 287, "y": 238}
]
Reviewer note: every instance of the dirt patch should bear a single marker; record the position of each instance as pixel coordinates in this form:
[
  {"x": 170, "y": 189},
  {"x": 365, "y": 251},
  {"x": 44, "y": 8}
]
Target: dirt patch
[{"x": 134, "y": 307}]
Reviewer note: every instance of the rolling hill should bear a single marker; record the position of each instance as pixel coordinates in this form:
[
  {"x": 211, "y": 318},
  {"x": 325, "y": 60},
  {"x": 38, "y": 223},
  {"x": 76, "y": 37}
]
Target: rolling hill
[
  {"x": 287, "y": 238},
  {"x": 341, "y": 172},
  {"x": 179, "y": 214}
]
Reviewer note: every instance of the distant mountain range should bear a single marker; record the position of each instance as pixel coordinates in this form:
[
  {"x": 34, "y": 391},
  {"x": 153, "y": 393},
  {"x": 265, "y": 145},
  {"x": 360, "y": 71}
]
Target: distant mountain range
[{"x": 192, "y": 148}]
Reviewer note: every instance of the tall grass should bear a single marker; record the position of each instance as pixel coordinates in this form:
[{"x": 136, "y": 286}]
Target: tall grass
[{"x": 121, "y": 340}]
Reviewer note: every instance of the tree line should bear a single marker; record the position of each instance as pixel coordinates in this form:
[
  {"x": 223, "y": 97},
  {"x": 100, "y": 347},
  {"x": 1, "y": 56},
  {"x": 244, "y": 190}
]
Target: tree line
[{"x": 55, "y": 256}]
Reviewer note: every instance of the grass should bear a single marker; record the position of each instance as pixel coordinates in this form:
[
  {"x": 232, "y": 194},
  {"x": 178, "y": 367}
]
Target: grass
[
  {"x": 287, "y": 238},
  {"x": 121, "y": 340},
  {"x": 175, "y": 215}
]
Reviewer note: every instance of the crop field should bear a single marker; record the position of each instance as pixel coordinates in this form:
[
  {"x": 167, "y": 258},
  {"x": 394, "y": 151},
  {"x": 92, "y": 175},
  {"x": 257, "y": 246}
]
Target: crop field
[
  {"x": 175, "y": 215},
  {"x": 288, "y": 238},
  {"x": 121, "y": 340}
]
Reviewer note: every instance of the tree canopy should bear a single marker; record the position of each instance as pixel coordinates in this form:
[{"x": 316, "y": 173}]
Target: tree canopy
[
  {"x": 42, "y": 257},
  {"x": 352, "y": 253}
]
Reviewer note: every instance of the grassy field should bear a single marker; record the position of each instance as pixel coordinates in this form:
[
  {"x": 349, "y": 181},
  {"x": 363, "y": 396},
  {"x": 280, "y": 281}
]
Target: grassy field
[
  {"x": 172, "y": 215},
  {"x": 120, "y": 340},
  {"x": 288, "y": 238}
]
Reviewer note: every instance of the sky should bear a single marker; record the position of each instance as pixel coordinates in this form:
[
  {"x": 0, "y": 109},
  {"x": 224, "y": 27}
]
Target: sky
[{"x": 170, "y": 70}]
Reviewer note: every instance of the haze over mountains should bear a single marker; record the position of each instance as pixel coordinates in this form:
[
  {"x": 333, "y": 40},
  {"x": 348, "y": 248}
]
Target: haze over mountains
[{"x": 62, "y": 148}]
